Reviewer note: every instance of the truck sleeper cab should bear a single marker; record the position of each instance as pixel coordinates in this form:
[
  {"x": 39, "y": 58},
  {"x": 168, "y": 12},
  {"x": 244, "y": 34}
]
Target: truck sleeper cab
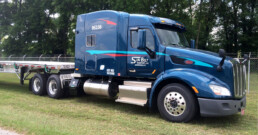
[{"x": 146, "y": 60}]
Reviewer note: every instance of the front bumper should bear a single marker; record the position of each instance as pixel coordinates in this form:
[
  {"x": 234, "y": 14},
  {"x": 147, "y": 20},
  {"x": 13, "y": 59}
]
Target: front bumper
[{"x": 215, "y": 107}]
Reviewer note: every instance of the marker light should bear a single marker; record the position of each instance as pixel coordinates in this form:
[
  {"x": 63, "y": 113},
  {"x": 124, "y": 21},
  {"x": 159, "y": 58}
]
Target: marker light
[
  {"x": 219, "y": 90},
  {"x": 188, "y": 62},
  {"x": 195, "y": 90}
]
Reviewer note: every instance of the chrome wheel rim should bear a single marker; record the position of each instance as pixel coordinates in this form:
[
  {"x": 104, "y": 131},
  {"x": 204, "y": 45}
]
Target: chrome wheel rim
[
  {"x": 36, "y": 85},
  {"x": 52, "y": 87},
  {"x": 174, "y": 103}
]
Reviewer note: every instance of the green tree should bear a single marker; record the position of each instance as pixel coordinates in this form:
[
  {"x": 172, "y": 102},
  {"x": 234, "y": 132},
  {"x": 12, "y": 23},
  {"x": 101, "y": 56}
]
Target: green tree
[{"x": 35, "y": 27}]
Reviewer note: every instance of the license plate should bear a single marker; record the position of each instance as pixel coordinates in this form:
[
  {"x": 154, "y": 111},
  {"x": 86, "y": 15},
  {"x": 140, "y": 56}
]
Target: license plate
[{"x": 242, "y": 111}]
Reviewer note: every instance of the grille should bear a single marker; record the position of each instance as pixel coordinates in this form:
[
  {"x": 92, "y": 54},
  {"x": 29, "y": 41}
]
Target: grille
[{"x": 239, "y": 75}]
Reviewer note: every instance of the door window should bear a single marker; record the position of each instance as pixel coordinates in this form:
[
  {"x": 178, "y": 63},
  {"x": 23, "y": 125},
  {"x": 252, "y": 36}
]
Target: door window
[{"x": 150, "y": 43}]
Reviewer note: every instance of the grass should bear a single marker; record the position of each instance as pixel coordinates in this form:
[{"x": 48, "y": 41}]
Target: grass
[{"x": 26, "y": 113}]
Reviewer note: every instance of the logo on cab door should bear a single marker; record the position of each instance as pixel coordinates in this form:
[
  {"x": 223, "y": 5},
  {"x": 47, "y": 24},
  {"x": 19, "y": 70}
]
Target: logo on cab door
[{"x": 140, "y": 61}]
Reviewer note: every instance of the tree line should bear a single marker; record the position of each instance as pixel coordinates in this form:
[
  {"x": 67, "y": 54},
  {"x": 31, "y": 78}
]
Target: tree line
[{"x": 36, "y": 27}]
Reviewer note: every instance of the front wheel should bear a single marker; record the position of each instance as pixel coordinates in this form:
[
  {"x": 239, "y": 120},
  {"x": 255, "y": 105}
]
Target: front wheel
[{"x": 177, "y": 103}]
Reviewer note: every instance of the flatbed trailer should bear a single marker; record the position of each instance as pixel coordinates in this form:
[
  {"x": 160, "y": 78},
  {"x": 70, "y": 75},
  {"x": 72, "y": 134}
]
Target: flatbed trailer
[
  {"x": 24, "y": 68},
  {"x": 12, "y": 66}
]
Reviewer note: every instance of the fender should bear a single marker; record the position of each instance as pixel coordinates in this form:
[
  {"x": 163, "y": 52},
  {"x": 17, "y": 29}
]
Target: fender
[{"x": 191, "y": 77}]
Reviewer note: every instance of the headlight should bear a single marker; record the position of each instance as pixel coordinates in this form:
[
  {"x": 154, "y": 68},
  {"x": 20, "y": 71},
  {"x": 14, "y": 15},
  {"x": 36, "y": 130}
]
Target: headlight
[{"x": 219, "y": 90}]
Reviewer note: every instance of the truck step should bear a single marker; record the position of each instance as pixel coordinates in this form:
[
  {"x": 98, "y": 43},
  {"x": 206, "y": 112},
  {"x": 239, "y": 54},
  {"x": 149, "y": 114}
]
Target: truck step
[
  {"x": 134, "y": 93},
  {"x": 138, "y": 83},
  {"x": 132, "y": 101}
]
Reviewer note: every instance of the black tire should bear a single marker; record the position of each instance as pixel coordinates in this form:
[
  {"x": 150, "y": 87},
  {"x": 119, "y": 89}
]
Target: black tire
[
  {"x": 54, "y": 89},
  {"x": 171, "y": 103},
  {"x": 38, "y": 84}
]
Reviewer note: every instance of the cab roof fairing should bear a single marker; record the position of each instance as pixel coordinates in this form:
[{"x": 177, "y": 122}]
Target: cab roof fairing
[
  {"x": 152, "y": 19},
  {"x": 169, "y": 22}
]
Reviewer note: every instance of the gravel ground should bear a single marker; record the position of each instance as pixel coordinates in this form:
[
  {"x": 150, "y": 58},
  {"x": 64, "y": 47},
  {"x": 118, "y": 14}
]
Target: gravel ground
[{"x": 6, "y": 132}]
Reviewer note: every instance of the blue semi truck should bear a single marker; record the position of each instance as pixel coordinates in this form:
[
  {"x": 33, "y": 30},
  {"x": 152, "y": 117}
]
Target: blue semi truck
[{"x": 146, "y": 61}]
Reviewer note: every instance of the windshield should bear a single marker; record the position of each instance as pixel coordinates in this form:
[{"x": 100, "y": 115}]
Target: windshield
[{"x": 170, "y": 37}]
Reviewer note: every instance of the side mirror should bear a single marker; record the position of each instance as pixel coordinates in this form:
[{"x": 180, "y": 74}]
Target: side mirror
[
  {"x": 141, "y": 39},
  {"x": 192, "y": 43},
  {"x": 222, "y": 53}
]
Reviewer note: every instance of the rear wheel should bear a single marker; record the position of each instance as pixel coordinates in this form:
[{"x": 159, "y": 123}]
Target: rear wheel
[
  {"x": 177, "y": 103},
  {"x": 38, "y": 84},
  {"x": 54, "y": 88}
]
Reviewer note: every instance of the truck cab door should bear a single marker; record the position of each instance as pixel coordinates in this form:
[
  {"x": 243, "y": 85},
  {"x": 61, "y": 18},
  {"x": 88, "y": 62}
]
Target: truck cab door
[{"x": 139, "y": 63}]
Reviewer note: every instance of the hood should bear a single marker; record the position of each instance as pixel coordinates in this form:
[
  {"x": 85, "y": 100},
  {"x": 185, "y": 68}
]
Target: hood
[
  {"x": 204, "y": 61},
  {"x": 200, "y": 57}
]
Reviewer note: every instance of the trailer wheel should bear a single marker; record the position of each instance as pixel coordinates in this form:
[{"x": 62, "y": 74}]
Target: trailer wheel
[
  {"x": 54, "y": 88},
  {"x": 38, "y": 84},
  {"x": 176, "y": 103}
]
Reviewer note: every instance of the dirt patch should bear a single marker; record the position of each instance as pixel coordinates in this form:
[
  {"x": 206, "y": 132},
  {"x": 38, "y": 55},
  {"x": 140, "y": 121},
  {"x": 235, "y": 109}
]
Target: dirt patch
[{"x": 7, "y": 132}]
